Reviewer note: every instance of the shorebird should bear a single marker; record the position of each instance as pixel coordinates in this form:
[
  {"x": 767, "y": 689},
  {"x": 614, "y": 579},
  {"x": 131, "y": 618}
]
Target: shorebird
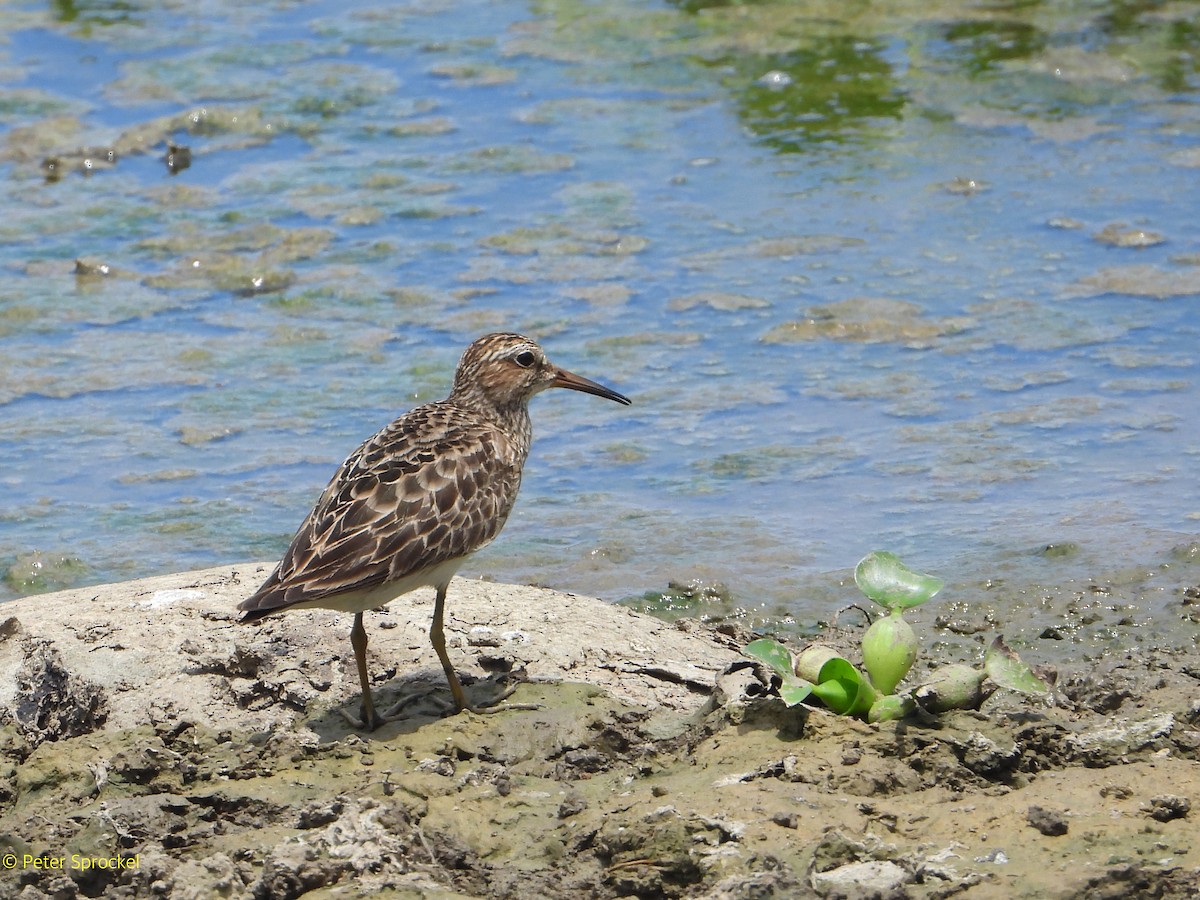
[{"x": 417, "y": 498}]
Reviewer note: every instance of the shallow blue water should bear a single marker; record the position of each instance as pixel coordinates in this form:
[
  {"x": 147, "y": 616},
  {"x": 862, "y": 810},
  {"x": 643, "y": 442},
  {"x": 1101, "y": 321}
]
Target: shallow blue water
[{"x": 616, "y": 180}]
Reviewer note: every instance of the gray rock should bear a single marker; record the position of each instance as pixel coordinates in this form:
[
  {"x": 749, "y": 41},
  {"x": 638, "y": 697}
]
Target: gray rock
[{"x": 872, "y": 878}]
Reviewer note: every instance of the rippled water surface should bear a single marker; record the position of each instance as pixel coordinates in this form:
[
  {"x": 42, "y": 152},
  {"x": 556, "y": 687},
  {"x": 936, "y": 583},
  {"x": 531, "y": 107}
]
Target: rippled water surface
[{"x": 925, "y": 278}]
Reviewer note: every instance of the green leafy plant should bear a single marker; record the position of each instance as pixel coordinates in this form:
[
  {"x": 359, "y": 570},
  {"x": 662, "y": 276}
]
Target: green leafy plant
[
  {"x": 889, "y": 650},
  {"x": 890, "y": 645}
]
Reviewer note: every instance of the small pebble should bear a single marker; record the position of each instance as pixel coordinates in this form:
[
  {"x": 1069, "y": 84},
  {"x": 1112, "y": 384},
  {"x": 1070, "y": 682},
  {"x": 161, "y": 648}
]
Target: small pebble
[
  {"x": 572, "y": 805},
  {"x": 1168, "y": 807},
  {"x": 1048, "y": 822},
  {"x": 786, "y": 820}
]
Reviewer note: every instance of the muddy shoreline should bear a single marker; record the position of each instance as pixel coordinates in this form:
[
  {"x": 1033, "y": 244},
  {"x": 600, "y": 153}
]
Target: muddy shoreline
[{"x": 149, "y": 747}]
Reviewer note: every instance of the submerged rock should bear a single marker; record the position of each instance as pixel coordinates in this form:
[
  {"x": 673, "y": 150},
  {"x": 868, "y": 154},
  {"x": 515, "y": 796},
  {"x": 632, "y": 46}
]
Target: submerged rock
[{"x": 35, "y": 572}]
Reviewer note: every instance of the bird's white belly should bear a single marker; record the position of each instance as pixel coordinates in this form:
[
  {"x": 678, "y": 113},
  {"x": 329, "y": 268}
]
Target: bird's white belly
[{"x": 381, "y": 594}]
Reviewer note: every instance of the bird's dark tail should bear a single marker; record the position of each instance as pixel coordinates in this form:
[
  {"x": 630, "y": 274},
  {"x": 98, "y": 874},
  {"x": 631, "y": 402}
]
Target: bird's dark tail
[
  {"x": 250, "y": 616},
  {"x": 262, "y": 602}
]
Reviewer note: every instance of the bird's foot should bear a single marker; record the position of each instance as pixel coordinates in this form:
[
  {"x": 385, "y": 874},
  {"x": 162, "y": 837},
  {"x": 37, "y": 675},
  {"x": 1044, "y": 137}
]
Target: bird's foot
[
  {"x": 402, "y": 705},
  {"x": 497, "y": 704},
  {"x": 437, "y": 704},
  {"x": 368, "y": 720}
]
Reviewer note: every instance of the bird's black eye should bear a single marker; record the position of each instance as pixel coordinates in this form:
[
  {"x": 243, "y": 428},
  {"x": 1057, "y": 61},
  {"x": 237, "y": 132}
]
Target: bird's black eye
[{"x": 525, "y": 359}]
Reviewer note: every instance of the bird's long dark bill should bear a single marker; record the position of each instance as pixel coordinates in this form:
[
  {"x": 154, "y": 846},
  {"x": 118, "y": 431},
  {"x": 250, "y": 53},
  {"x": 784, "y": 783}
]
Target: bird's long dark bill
[{"x": 565, "y": 379}]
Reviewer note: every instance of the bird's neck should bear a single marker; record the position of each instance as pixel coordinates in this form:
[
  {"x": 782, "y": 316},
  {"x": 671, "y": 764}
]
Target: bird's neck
[
  {"x": 515, "y": 424},
  {"x": 510, "y": 418}
]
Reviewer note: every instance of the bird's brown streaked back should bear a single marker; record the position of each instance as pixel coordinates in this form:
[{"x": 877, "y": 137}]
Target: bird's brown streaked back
[{"x": 398, "y": 505}]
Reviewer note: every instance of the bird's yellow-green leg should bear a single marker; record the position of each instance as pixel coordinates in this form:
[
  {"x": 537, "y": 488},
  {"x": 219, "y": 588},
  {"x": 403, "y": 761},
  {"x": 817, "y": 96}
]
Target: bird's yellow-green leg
[
  {"x": 358, "y": 639},
  {"x": 437, "y": 637}
]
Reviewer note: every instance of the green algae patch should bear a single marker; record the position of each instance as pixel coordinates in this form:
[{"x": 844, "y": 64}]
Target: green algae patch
[
  {"x": 508, "y": 159},
  {"x": 469, "y": 74},
  {"x": 431, "y": 126},
  {"x": 718, "y": 300},
  {"x": 816, "y": 459},
  {"x": 868, "y": 320},
  {"x": 39, "y": 571},
  {"x": 1145, "y": 280},
  {"x": 564, "y": 239},
  {"x": 772, "y": 248},
  {"x": 102, "y": 764}
]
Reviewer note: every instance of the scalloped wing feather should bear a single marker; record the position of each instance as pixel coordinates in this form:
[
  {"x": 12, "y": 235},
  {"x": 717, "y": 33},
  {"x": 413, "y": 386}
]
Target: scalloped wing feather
[{"x": 433, "y": 486}]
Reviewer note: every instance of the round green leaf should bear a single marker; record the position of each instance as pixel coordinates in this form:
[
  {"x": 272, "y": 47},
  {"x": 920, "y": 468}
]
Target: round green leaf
[
  {"x": 795, "y": 691},
  {"x": 773, "y": 654},
  {"x": 1005, "y": 668},
  {"x": 887, "y": 581},
  {"x": 838, "y": 695},
  {"x": 844, "y": 689}
]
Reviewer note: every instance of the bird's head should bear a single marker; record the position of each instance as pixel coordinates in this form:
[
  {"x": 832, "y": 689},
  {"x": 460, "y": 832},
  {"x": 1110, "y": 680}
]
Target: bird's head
[{"x": 504, "y": 370}]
